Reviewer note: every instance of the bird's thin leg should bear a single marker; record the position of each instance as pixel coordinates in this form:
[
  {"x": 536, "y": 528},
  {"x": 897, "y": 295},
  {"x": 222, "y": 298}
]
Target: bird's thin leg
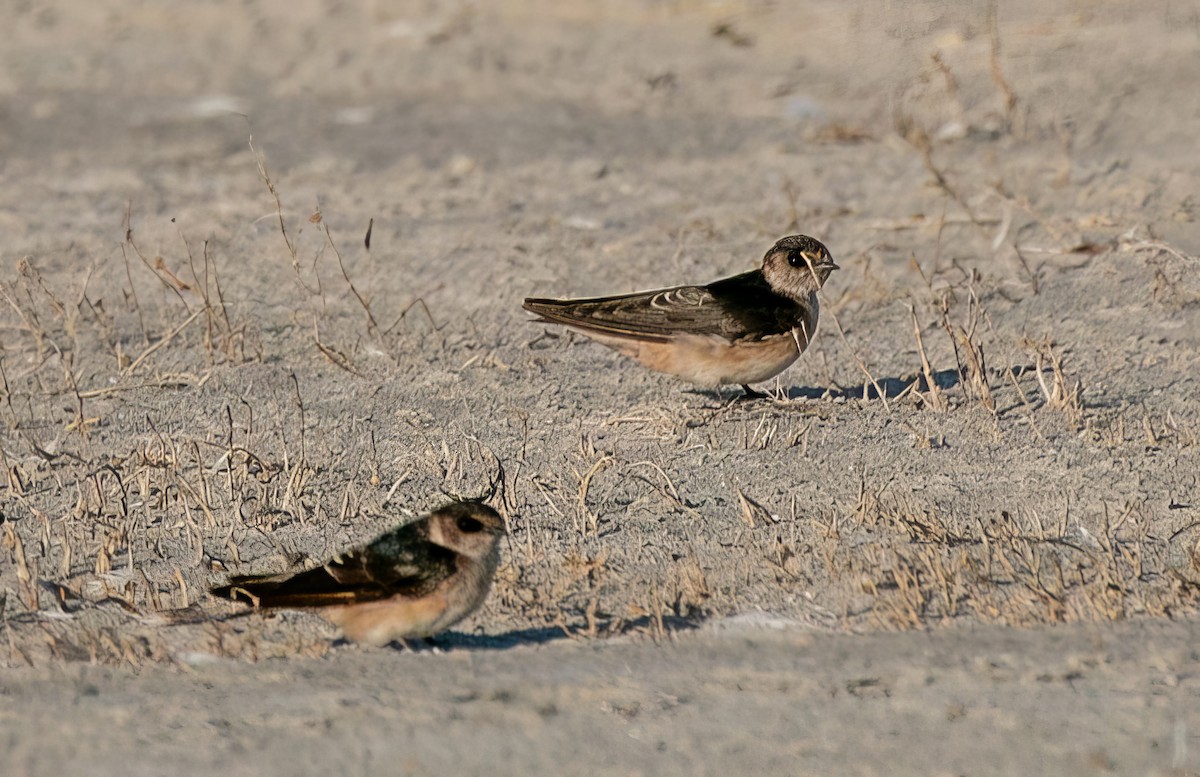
[{"x": 753, "y": 394}]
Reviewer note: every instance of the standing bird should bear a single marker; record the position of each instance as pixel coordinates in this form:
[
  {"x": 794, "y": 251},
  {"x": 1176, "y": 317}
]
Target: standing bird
[
  {"x": 744, "y": 329},
  {"x": 413, "y": 581}
]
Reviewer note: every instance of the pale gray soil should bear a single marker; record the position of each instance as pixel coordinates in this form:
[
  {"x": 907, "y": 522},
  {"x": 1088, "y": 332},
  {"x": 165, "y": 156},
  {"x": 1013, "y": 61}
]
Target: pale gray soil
[
  {"x": 991, "y": 570},
  {"x": 739, "y": 698}
]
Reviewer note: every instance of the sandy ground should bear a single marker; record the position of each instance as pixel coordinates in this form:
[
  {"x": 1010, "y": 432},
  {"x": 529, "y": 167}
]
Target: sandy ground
[{"x": 961, "y": 538}]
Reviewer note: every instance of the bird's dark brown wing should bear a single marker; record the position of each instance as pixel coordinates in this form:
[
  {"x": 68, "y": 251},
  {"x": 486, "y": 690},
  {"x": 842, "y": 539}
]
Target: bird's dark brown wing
[
  {"x": 402, "y": 561},
  {"x": 737, "y": 308}
]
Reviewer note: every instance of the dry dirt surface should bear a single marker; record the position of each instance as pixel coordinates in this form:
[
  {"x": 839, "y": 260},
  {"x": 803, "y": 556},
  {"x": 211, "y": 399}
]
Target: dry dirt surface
[{"x": 261, "y": 274}]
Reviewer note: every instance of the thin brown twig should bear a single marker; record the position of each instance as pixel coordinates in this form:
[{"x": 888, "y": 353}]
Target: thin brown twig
[
  {"x": 1010, "y": 97},
  {"x": 934, "y": 398},
  {"x": 372, "y": 324},
  {"x": 261, "y": 162},
  {"x": 878, "y": 389},
  {"x": 165, "y": 339}
]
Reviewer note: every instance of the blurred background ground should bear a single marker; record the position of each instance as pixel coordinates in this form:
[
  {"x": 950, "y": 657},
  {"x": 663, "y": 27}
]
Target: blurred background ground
[{"x": 987, "y": 459}]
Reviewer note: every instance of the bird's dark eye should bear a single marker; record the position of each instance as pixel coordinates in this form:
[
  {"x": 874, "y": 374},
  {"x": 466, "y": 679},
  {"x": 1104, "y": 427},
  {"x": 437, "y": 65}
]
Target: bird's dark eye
[
  {"x": 469, "y": 525},
  {"x": 796, "y": 258}
]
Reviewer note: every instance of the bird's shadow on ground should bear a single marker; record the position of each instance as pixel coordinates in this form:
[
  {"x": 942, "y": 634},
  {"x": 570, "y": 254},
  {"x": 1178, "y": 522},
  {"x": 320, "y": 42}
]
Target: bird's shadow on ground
[
  {"x": 890, "y": 387},
  {"x": 544, "y": 635}
]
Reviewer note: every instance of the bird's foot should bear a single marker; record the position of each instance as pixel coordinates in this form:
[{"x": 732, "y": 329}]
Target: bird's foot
[
  {"x": 752, "y": 394},
  {"x": 419, "y": 645}
]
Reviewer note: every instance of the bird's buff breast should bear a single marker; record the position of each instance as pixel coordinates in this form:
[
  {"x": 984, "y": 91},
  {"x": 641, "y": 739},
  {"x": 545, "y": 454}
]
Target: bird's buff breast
[
  {"x": 387, "y": 620},
  {"x": 403, "y": 617},
  {"x": 712, "y": 361}
]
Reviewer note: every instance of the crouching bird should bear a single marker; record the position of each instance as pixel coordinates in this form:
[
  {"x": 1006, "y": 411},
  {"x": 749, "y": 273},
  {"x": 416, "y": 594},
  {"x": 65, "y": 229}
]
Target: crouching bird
[{"x": 414, "y": 581}]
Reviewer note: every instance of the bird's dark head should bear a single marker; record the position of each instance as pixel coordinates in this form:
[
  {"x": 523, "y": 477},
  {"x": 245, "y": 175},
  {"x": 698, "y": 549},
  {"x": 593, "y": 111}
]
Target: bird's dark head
[{"x": 797, "y": 266}]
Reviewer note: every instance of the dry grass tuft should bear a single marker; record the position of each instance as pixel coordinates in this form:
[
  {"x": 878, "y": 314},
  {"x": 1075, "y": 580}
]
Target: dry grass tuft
[
  {"x": 1059, "y": 392},
  {"x": 753, "y": 513},
  {"x": 968, "y": 348},
  {"x": 921, "y": 567}
]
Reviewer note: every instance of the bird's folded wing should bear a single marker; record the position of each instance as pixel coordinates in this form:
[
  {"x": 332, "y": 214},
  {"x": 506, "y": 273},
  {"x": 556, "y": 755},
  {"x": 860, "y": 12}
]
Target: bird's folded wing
[
  {"x": 734, "y": 309},
  {"x": 393, "y": 564}
]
